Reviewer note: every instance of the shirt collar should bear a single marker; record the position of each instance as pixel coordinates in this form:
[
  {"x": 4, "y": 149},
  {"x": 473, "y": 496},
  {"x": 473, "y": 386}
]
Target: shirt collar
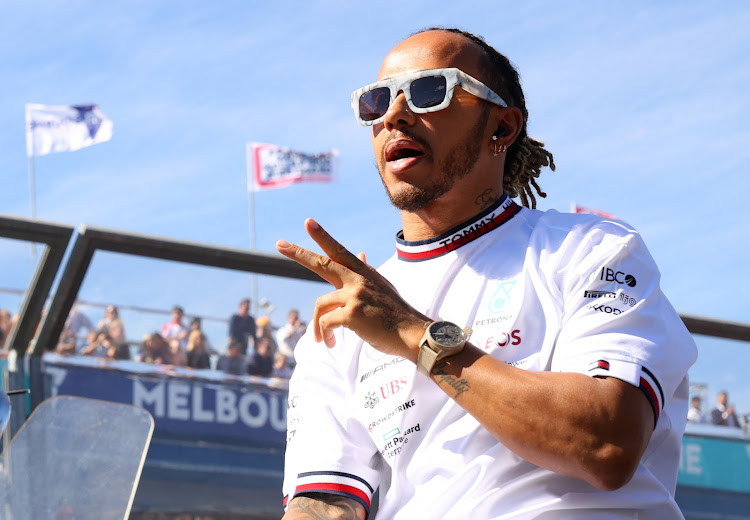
[{"x": 491, "y": 218}]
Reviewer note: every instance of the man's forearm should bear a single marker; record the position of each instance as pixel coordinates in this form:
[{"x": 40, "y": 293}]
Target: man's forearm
[
  {"x": 588, "y": 428},
  {"x": 320, "y": 506}
]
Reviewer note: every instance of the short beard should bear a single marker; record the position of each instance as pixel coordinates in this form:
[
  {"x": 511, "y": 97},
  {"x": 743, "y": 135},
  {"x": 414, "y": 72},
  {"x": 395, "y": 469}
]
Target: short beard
[{"x": 456, "y": 165}]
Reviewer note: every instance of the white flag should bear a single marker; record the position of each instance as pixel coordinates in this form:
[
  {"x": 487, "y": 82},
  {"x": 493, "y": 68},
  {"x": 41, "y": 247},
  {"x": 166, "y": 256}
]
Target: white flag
[
  {"x": 52, "y": 129},
  {"x": 276, "y": 167}
]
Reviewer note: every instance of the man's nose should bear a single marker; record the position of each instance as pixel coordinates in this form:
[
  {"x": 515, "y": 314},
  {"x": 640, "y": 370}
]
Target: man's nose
[{"x": 399, "y": 114}]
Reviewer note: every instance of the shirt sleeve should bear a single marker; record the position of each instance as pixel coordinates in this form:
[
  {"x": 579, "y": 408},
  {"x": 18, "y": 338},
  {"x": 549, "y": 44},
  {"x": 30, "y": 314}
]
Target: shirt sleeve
[
  {"x": 328, "y": 450},
  {"x": 616, "y": 322}
]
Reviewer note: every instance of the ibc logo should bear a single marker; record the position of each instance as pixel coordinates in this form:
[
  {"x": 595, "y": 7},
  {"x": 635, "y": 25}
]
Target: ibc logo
[{"x": 610, "y": 275}]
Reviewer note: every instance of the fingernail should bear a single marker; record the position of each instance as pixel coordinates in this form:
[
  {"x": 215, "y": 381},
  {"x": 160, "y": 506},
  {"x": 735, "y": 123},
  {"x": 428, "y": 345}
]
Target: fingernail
[
  {"x": 283, "y": 244},
  {"x": 314, "y": 224}
]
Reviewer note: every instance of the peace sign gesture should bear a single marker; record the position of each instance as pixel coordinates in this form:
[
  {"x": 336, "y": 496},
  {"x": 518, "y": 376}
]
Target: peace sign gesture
[{"x": 364, "y": 301}]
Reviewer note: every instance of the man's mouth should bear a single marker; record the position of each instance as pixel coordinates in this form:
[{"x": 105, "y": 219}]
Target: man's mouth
[{"x": 402, "y": 149}]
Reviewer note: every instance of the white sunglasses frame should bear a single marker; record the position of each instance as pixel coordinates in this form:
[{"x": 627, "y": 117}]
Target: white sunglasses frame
[{"x": 453, "y": 77}]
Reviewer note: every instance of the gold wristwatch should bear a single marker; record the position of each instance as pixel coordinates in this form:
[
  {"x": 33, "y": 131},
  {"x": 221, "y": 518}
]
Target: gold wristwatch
[{"x": 440, "y": 340}]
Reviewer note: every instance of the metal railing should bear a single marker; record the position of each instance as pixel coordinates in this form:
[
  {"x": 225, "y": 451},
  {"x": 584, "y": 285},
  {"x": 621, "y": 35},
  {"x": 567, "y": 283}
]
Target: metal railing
[{"x": 88, "y": 240}]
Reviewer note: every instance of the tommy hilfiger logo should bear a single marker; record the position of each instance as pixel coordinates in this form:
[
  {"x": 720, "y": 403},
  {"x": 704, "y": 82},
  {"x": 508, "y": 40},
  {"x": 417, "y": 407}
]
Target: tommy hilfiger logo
[{"x": 493, "y": 217}]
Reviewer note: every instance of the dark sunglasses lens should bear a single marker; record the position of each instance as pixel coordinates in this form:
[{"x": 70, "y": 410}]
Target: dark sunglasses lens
[
  {"x": 374, "y": 103},
  {"x": 428, "y": 92}
]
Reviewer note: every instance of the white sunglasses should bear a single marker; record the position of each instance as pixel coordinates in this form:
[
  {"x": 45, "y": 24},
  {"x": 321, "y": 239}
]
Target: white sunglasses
[{"x": 425, "y": 91}]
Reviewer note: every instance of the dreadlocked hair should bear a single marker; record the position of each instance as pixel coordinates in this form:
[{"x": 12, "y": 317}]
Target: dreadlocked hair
[{"x": 526, "y": 156}]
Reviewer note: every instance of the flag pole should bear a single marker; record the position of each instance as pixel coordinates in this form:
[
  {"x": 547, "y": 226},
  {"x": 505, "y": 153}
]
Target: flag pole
[
  {"x": 32, "y": 192},
  {"x": 251, "y": 216},
  {"x": 32, "y": 187}
]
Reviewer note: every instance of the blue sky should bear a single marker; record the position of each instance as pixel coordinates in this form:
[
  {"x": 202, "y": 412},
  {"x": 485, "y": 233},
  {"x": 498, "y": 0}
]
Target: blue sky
[{"x": 644, "y": 105}]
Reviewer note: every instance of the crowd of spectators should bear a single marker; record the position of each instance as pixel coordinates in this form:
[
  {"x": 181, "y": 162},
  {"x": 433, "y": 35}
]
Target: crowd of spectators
[
  {"x": 253, "y": 346},
  {"x": 723, "y": 414}
]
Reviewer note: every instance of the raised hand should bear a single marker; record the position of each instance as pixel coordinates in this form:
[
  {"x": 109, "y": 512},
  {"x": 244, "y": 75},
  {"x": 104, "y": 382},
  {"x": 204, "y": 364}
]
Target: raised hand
[{"x": 363, "y": 301}]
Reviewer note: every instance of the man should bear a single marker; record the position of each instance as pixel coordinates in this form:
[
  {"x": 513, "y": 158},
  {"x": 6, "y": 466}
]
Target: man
[
  {"x": 570, "y": 397},
  {"x": 175, "y": 328},
  {"x": 234, "y": 361},
  {"x": 724, "y": 415},
  {"x": 260, "y": 362},
  {"x": 289, "y": 334},
  {"x": 695, "y": 415},
  {"x": 242, "y": 327}
]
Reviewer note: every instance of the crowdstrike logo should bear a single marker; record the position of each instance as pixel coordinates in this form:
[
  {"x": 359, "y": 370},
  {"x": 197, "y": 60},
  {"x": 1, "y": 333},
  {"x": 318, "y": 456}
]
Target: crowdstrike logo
[
  {"x": 397, "y": 410},
  {"x": 610, "y": 275}
]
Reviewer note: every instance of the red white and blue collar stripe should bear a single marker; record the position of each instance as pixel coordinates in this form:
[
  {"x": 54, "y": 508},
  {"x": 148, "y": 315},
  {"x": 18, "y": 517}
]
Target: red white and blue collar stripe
[{"x": 492, "y": 218}]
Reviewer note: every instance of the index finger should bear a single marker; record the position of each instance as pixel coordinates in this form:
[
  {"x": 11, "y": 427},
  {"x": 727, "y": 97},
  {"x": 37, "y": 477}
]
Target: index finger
[
  {"x": 332, "y": 247},
  {"x": 323, "y": 266}
]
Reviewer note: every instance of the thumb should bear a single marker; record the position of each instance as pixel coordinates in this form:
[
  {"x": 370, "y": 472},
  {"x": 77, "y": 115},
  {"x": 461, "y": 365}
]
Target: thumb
[{"x": 362, "y": 257}]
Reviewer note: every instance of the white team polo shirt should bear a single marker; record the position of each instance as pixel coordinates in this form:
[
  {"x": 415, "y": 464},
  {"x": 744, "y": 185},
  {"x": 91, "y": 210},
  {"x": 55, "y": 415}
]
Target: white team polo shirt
[{"x": 543, "y": 291}]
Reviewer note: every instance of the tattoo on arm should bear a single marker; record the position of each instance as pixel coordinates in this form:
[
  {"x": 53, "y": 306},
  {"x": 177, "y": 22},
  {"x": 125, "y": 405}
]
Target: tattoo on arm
[
  {"x": 443, "y": 377},
  {"x": 322, "y": 506},
  {"x": 486, "y": 199}
]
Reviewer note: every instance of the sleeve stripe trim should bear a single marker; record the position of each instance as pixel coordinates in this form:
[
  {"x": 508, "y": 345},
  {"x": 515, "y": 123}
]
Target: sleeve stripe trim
[
  {"x": 651, "y": 395},
  {"x": 655, "y": 381},
  {"x": 337, "y": 474},
  {"x": 336, "y": 489}
]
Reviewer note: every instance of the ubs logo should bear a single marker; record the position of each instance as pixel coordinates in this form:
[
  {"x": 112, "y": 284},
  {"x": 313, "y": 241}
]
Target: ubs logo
[
  {"x": 610, "y": 275},
  {"x": 393, "y": 387},
  {"x": 501, "y": 296},
  {"x": 504, "y": 339}
]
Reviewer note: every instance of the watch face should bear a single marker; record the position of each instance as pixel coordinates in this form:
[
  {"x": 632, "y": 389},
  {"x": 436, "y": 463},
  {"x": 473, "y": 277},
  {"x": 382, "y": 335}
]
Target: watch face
[{"x": 447, "y": 334}]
